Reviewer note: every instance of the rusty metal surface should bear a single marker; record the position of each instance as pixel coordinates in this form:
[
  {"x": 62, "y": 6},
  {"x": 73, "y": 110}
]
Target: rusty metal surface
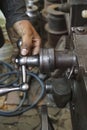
[{"x": 80, "y": 42}]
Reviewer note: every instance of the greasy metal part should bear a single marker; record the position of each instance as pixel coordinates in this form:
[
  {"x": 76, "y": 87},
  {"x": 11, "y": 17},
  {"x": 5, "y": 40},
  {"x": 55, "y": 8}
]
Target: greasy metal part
[
  {"x": 61, "y": 91},
  {"x": 49, "y": 87},
  {"x": 56, "y": 26},
  {"x": 38, "y": 3},
  {"x": 30, "y": 61},
  {"x": 65, "y": 59},
  {"x": 23, "y": 88},
  {"x": 25, "y": 85},
  {"x": 24, "y": 76},
  {"x": 78, "y": 103},
  {"x": 4, "y": 91},
  {"x": 56, "y": 19},
  {"x": 46, "y": 60},
  {"x": 32, "y": 11},
  {"x": 51, "y": 59},
  {"x": 44, "y": 116},
  {"x": 45, "y": 121}
]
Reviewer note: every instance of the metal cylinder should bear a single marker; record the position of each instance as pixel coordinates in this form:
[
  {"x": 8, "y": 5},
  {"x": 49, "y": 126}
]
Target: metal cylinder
[
  {"x": 38, "y": 3},
  {"x": 64, "y": 59},
  {"x": 32, "y": 11},
  {"x": 51, "y": 59},
  {"x": 46, "y": 60},
  {"x": 56, "y": 19},
  {"x": 56, "y": 26},
  {"x": 61, "y": 89}
]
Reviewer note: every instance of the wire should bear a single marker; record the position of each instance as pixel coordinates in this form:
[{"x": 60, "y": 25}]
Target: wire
[
  {"x": 7, "y": 67},
  {"x": 19, "y": 110},
  {"x": 7, "y": 75}
]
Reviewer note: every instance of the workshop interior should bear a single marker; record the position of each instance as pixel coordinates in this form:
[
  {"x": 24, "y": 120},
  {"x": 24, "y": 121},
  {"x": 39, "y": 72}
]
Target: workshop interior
[{"x": 58, "y": 74}]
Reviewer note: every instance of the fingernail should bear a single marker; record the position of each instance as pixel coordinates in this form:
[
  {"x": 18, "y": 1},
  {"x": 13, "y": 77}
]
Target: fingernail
[{"x": 24, "y": 51}]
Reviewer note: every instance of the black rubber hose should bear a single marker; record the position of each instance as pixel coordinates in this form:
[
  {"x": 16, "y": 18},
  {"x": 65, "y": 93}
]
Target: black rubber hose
[{"x": 19, "y": 112}]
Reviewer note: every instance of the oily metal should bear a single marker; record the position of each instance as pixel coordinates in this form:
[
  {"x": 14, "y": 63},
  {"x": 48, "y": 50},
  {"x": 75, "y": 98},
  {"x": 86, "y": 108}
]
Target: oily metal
[
  {"x": 32, "y": 11},
  {"x": 56, "y": 26},
  {"x": 38, "y": 3},
  {"x": 56, "y": 19},
  {"x": 51, "y": 59}
]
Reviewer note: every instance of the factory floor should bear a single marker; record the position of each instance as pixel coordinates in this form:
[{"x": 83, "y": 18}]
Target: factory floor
[{"x": 31, "y": 121}]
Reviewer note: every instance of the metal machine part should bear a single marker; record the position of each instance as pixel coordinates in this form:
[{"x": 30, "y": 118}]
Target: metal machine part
[
  {"x": 49, "y": 60},
  {"x": 24, "y": 87},
  {"x": 32, "y": 11},
  {"x": 44, "y": 117},
  {"x": 23, "y": 70},
  {"x": 45, "y": 122},
  {"x": 38, "y": 3},
  {"x": 56, "y": 26},
  {"x": 60, "y": 88},
  {"x": 78, "y": 103},
  {"x": 56, "y": 20}
]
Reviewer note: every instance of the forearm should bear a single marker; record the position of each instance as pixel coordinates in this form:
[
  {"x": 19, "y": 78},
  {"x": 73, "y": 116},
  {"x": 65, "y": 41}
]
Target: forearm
[{"x": 14, "y": 10}]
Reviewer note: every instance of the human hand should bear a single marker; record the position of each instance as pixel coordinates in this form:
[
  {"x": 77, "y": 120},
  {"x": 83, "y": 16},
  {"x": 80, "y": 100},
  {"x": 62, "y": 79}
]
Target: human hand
[{"x": 30, "y": 38}]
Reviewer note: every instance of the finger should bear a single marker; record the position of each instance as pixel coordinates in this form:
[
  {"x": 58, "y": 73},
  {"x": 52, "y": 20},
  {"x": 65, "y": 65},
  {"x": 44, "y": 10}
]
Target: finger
[
  {"x": 27, "y": 45},
  {"x": 37, "y": 44}
]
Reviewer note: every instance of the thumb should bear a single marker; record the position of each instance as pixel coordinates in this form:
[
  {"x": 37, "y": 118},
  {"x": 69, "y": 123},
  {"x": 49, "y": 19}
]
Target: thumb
[{"x": 26, "y": 45}]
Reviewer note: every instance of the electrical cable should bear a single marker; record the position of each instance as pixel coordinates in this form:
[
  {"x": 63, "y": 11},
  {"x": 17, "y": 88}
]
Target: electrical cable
[
  {"x": 12, "y": 82},
  {"x": 7, "y": 75},
  {"x": 7, "y": 67},
  {"x": 19, "y": 110},
  {"x": 18, "y": 107}
]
